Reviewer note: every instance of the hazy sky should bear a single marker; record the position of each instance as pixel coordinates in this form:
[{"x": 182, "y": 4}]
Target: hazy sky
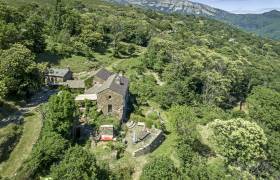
[{"x": 243, "y": 6}]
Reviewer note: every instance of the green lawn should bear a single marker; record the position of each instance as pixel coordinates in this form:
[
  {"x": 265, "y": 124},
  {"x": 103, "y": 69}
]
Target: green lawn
[
  {"x": 31, "y": 131},
  {"x": 75, "y": 63}
]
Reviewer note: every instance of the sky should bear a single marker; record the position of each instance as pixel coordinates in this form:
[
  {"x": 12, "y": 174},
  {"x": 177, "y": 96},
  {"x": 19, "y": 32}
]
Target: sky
[{"x": 243, "y": 6}]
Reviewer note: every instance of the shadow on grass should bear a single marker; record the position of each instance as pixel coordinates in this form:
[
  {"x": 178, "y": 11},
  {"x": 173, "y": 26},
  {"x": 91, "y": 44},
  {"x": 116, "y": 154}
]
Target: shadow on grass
[
  {"x": 49, "y": 57},
  {"x": 29, "y": 114},
  {"x": 101, "y": 50}
]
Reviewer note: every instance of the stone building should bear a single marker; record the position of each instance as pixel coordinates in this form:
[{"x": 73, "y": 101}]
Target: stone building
[
  {"x": 55, "y": 76},
  {"x": 111, "y": 93}
]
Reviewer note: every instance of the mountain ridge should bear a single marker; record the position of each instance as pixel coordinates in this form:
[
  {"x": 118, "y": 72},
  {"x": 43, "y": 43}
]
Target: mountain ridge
[{"x": 265, "y": 24}]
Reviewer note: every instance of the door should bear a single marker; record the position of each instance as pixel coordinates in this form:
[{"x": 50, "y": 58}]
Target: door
[{"x": 110, "y": 108}]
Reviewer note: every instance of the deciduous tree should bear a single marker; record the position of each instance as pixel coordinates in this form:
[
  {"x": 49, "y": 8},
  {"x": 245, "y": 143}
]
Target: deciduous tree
[{"x": 159, "y": 168}]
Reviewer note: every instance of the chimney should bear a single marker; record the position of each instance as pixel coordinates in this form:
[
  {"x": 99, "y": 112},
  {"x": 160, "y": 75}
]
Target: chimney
[{"x": 119, "y": 79}]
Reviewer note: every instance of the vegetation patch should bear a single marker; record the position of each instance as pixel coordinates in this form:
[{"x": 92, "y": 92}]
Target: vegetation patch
[
  {"x": 6, "y": 109},
  {"x": 9, "y": 137},
  {"x": 31, "y": 130}
]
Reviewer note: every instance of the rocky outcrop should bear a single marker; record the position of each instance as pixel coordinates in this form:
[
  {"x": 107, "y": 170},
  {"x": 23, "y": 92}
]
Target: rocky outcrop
[{"x": 174, "y": 6}]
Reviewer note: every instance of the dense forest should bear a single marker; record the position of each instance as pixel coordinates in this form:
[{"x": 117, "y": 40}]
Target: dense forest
[{"x": 218, "y": 87}]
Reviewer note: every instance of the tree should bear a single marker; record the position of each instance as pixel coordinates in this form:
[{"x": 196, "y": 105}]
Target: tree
[
  {"x": 92, "y": 39},
  {"x": 61, "y": 113},
  {"x": 264, "y": 107},
  {"x": 240, "y": 141},
  {"x": 18, "y": 71},
  {"x": 32, "y": 33},
  {"x": 3, "y": 89},
  {"x": 78, "y": 163},
  {"x": 49, "y": 149},
  {"x": 159, "y": 168},
  {"x": 8, "y": 35},
  {"x": 143, "y": 88}
]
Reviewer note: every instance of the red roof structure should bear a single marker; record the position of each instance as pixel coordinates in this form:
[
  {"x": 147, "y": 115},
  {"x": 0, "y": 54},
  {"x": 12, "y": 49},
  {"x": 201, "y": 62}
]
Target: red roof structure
[{"x": 106, "y": 132}]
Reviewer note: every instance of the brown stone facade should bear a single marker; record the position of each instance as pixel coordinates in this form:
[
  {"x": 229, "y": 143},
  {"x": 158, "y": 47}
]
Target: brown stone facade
[{"x": 112, "y": 103}]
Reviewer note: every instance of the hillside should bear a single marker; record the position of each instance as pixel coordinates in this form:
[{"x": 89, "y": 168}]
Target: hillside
[
  {"x": 265, "y": 25},
  {"x": 175, "y": 6},
  {"x": 184, "y": 72}
]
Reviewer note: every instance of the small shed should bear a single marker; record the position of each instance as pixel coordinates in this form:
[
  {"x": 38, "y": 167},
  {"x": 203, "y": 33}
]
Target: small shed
[{"x": 106, "y": 132}]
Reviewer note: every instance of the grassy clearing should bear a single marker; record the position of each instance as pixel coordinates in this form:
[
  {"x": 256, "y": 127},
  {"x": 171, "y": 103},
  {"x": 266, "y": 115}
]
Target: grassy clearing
[
  {"x": 75, "y": 63},
  {"x": 31, "y": 130},
  {"x": 78, "y": 63},
  {"x": 168, "y": 145}
]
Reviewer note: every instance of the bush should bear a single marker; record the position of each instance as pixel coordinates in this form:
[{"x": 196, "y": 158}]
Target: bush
[
  {"x": 77, "y": 163},
  {"x": 159, "y": 168},
  {"x": 49, "y": 149}
]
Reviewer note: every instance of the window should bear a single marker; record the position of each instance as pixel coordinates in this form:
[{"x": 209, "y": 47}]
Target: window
[
  {"x": 110, "y": 108},
  {"x": 109, "y": 97}
]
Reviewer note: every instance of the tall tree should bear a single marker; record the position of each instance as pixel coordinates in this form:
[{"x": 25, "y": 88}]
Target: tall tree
[
  {"x": 264, "y": 108},
  {"x": 18, "y": 71},
  {"x": 240, "y": 141},
  {"x": 32, "y": 33},
  {"x": 159, "y": 168},
  {"x": 61, "y": 113},
  {"x": 78, "y": 163}
]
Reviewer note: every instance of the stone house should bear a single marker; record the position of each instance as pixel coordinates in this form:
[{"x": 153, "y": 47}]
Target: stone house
[
  {"x": 111, "y": 93},
  {"x": 56, "y": 76}
]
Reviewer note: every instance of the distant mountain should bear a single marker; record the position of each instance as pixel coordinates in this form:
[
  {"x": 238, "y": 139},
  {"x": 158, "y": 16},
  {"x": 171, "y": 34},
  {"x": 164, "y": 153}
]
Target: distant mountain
[
  {"x": 265, "y": 25},
  {"x": 174, "y": 6}
]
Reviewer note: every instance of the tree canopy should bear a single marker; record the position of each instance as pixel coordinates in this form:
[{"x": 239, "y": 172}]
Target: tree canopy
[
  {"x": 159, "y": 168},
  {"x": 19, "y": 73},
  {"x": 240, "y": 141},
  {"x": 61, "y": 113},
  {"x": 77, "y": 163}
]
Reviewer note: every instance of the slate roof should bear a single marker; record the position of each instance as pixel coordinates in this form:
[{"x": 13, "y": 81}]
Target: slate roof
[
  {"x": 116, "y": 83},
  {"x": 103, "y": 74},
  {"x": 93, "y": 90},
  {"x": 57, "y": 72}
]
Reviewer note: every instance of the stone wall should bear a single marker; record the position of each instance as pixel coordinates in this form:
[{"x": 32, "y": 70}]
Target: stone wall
[
  {"x": 117, "y": 101},
  {"x": 152, "y": 145}
]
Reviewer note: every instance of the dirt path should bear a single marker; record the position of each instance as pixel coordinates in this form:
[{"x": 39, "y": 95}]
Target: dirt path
[
  {"x": 141, "y": 161},
  {"x": 32, "y": 124},
  {"x": 31, "y": 131}
]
